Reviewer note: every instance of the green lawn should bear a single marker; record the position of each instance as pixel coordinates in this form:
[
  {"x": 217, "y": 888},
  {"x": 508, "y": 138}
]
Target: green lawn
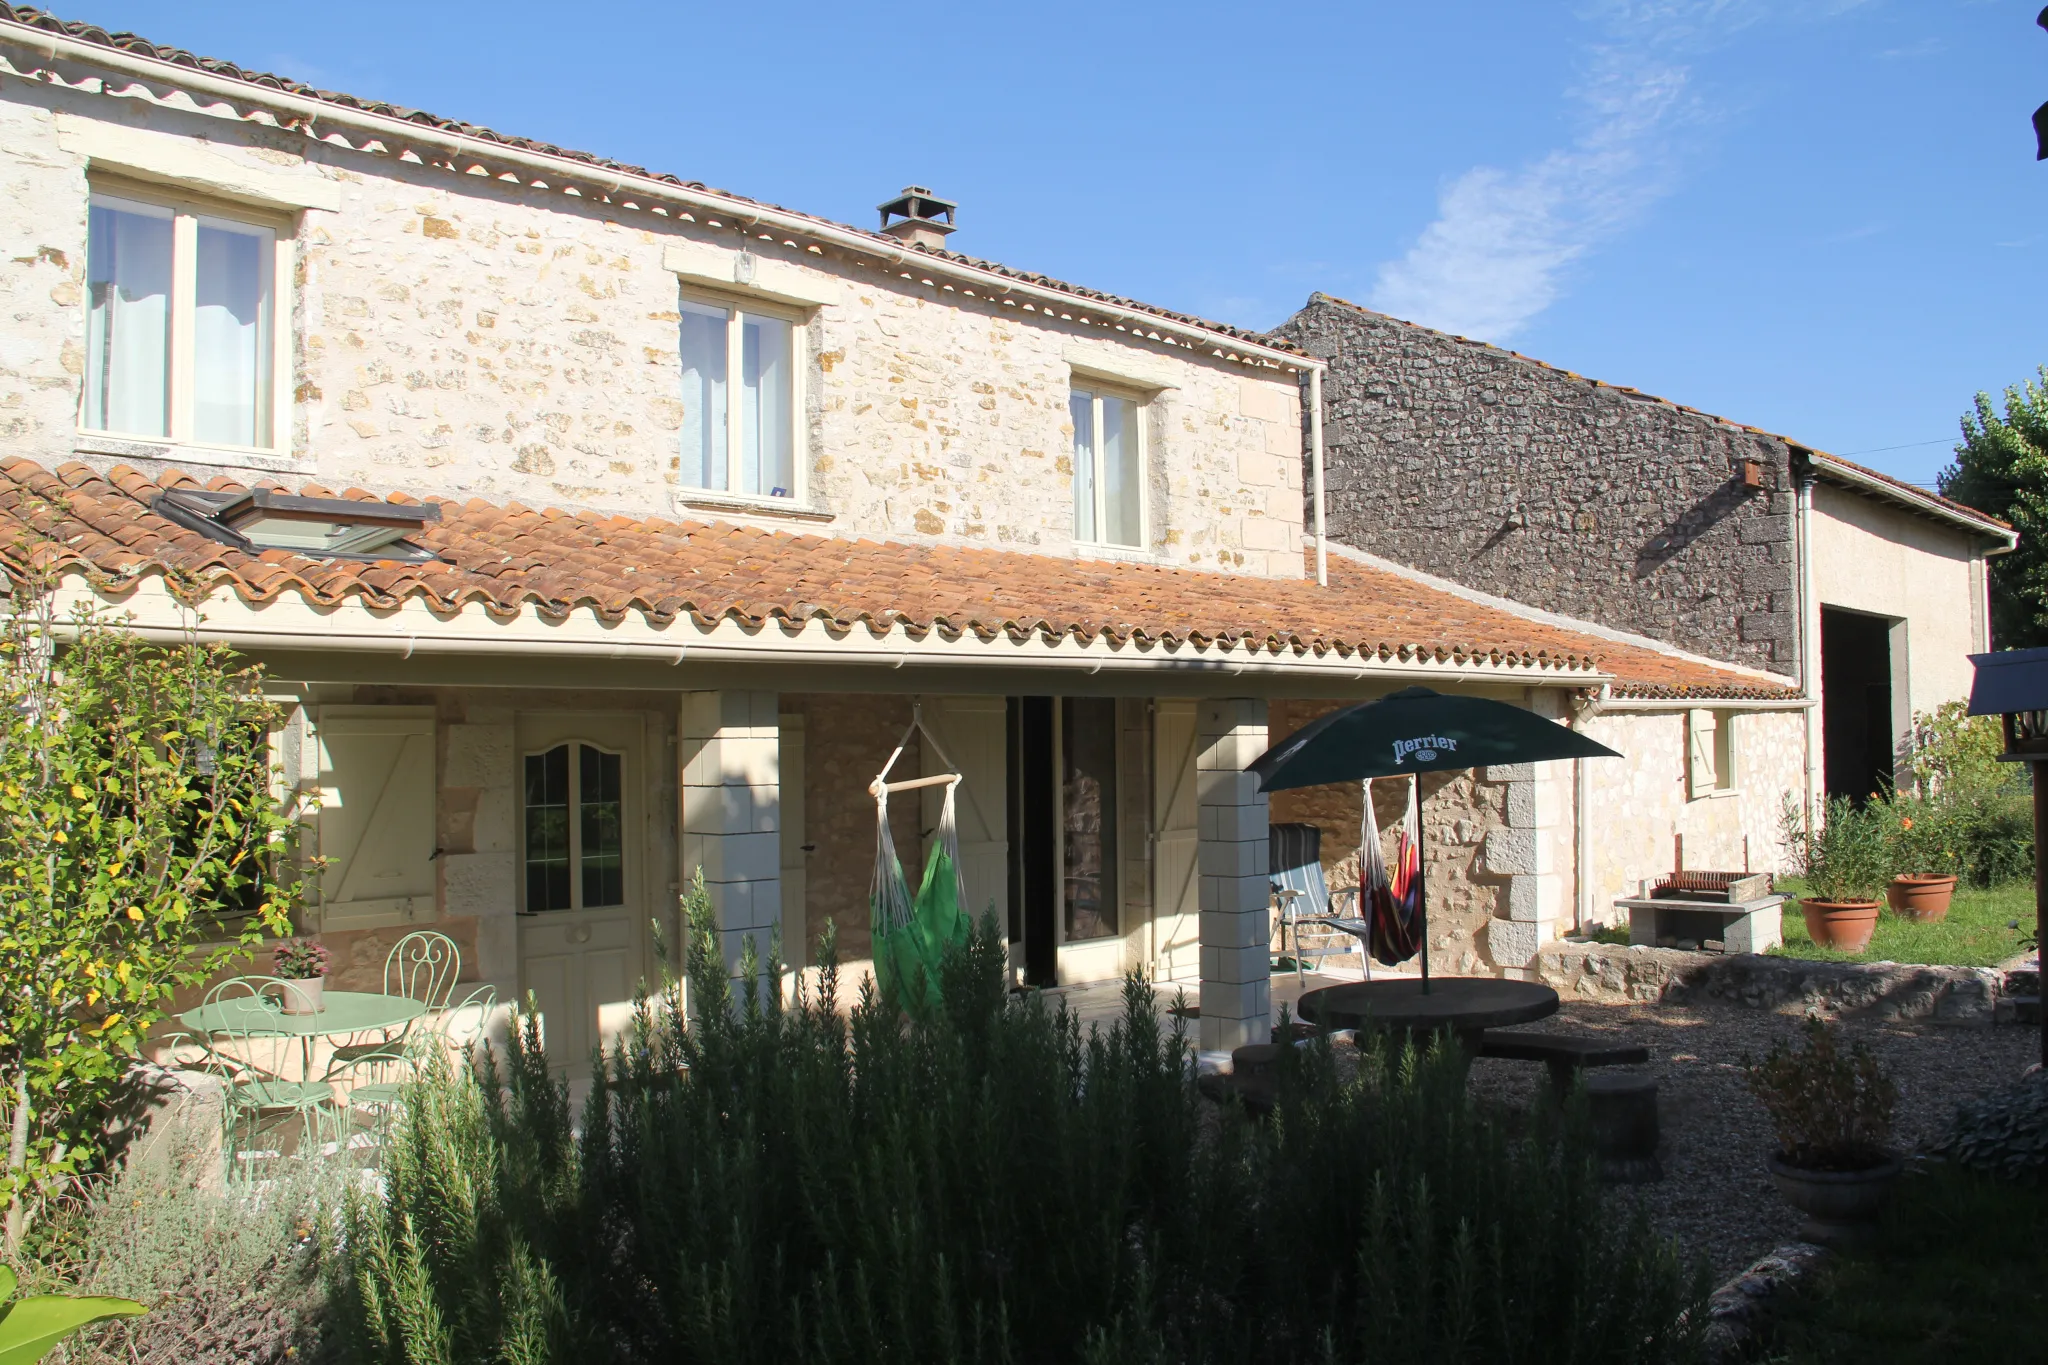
[
  {"x": 1959, "y": 1272},
  {"x": 1977, "y": 932}
]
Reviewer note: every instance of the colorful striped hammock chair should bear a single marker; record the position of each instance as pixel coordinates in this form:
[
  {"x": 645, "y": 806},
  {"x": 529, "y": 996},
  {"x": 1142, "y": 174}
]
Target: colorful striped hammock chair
[
  {"x": 912, "y": 934},
  {"x": 1393, "y": 904}
]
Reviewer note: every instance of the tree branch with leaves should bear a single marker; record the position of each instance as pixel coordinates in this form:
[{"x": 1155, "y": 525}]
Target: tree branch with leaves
[{"x": 145, "y": 843}]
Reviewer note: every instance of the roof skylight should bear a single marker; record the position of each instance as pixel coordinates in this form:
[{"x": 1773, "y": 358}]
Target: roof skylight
[{"x": 327, "y": 528}]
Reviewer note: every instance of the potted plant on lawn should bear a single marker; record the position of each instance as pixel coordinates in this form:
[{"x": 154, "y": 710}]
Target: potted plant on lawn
[
  {"x": 303, "y": 967},
  {"x": 1847, "y": 865},
  {"x": 1920, "y": 840},
  {"x": 1832, "y": 1111}
]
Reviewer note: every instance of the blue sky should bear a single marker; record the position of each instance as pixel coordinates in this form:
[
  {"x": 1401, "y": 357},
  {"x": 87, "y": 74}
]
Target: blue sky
[{"x": 1821, "y": 217}]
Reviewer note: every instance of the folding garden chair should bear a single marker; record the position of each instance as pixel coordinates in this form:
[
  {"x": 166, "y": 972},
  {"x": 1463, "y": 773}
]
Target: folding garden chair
[
  {"x": 421, "y": 966},
  {"x": 1295, "y": 863},
  {"x": 251, "y": 1046},
  {"x": 378, "y": 1079}
]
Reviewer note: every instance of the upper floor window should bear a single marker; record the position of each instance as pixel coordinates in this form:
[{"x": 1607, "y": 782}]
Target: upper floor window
[
  {"x": 739, "y": 400},
  {"x": 182, "y": 337},
  {"x": 1109, "y": 468}
]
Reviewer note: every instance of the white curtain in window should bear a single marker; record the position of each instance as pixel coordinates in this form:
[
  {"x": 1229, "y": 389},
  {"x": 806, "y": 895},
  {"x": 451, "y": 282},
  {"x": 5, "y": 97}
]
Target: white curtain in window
[
  {"x": 703, "y": 348},
  {"x": 765, "y": 435},
  {"x": 1122, "y": 488},
  {"x": 127, "y": 364},
  {"x": 1081, "y": 406},
  {"x": 231, "y": 351}
]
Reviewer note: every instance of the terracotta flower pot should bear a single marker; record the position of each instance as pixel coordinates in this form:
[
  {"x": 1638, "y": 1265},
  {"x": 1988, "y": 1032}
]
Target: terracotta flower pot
[
  {"x": 303, "y": 995},
  {"x": 1846, "y": 925},
  {"x": 1840, "y": 1206},
  {"x": 1921, "y": 896}
]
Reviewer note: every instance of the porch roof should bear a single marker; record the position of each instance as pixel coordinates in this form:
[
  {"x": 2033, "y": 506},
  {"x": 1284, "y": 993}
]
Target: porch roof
[{"x": 509, "y": 560}]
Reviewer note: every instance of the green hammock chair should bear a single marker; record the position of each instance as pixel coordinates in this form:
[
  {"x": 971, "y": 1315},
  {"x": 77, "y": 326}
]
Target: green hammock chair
[{"x": 913, "y": 933}]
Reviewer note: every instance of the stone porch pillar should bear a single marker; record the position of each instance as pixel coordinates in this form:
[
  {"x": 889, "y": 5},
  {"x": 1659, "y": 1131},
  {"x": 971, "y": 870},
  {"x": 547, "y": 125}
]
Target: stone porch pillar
[
  {"x": 1237, "y": 992},
  {"x": 1531, "y": 852},
  {"x": 731, "y": 783}
]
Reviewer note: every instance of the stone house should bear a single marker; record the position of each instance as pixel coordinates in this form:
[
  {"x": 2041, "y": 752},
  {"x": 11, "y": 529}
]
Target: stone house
[
  {"x": 1857, "y": 595},
  {"x": 598, "y": 526}
]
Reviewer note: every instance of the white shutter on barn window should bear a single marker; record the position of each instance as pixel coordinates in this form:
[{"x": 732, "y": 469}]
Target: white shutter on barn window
[
  {"x": 1176, "y": 844},
  {"x": 1701, "y": 775},
  {"x": 376, "y": 816}
]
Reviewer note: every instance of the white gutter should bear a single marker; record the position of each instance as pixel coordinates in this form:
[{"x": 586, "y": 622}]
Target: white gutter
[
  {"x": 1809, "y": 645},
  {"x": 1650, "y": 705},
  {"x": 1315, "y": 447},
  {"x": 554, "y": 168},
  {"x": 1920, "y": 502},
  {"x": 415, "y": 631}
]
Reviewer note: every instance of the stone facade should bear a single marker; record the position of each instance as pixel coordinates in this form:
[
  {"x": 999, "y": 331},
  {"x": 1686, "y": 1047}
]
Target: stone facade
[
  {"x": 1505, "y": 474},
  {"x": 847, "y": 739},
  {"x": 1468, "y": 890},
  {"x": 461, "y": 334},
  {"x": 1640, "y": 808}
]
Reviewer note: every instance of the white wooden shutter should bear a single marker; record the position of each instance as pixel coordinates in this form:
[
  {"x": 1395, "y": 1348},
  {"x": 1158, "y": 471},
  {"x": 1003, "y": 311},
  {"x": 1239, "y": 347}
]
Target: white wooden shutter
[
  {"x": 973, "y": 732},
  {"x": 376, "y": 816},
  {"x": 1700, "y": 775},
  {"x": 1177, "y": 899},
  {"x": 795, "y": 867}
]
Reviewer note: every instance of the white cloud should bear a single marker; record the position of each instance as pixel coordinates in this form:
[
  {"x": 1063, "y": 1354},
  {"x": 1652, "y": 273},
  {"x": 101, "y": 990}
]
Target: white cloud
[{"x": 1504, "y": 241}]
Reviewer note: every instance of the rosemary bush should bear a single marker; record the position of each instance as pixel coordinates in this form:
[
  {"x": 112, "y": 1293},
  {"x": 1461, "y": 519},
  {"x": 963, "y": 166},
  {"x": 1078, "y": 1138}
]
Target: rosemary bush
[{"x": 776, "y": 1182}]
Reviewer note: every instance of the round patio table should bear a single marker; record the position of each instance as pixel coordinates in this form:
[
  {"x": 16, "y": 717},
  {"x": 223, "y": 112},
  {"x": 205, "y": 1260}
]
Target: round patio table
[
  {"x": 1467, "y": 1005},
  {"x": 346, "y": 1012}
]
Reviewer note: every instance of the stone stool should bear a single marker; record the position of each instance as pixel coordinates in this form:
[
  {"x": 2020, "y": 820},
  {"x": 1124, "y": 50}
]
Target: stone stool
[{"x": 1623, "y": 1107}]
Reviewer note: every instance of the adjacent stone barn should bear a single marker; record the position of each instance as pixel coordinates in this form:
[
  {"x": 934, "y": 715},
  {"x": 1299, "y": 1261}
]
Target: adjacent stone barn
[{"x": 1497, "y": 472}]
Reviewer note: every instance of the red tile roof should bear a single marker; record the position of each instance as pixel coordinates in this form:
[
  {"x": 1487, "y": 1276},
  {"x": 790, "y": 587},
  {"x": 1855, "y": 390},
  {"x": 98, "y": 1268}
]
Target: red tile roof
[
  {"x": 31, "y": 17},
  {"x": 506, "y": 558}
]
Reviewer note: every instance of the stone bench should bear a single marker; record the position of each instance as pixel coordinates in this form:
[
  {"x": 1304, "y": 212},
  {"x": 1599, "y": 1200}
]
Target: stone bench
[{"x": 1566, "y": 1054}]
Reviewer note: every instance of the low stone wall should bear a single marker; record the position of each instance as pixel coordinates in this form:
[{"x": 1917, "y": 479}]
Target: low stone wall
[{"x": 1880, "y": 990}]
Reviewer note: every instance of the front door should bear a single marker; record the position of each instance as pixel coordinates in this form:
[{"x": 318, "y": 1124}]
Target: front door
[{"x": 583, "y": 910}]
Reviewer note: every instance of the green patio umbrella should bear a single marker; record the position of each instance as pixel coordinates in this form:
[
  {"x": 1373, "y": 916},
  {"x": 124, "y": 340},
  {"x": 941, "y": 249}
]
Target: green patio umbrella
[{"x": 1416, "y": 731}]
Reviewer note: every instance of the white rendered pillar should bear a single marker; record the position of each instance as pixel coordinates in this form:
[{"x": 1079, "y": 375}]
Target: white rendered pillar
[
  {"x": 1237, "y": 989},
  {"x": 729, "y": 746}
]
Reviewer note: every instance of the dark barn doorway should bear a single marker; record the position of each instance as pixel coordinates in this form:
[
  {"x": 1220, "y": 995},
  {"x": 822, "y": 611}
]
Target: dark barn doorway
[{"x": 1856, "y": 703}]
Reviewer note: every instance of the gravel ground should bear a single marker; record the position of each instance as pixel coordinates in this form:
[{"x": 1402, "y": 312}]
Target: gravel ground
[{"x": 1715, "y": 1197}]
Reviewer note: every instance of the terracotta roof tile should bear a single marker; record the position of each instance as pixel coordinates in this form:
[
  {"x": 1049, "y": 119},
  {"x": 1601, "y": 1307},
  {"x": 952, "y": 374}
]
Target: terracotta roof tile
[{"x": 504, "y": 558}]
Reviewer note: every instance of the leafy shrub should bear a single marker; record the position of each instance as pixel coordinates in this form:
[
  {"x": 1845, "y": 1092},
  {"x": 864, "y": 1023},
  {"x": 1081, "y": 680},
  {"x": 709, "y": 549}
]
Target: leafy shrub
[
  {"x": 775, "y": 1182},
  {"x": 138, "y": 829},
  {"x": 1972, "y": 815},
  {"x": 1832, "y": 1111},
  {"x": 1848, "y": 858},
  {"x": 229, "y": 1278},
  {"x": 2004, "y": 1133}
]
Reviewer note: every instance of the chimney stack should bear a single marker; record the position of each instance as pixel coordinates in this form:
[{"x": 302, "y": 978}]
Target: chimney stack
[{"x": 923, "y": 219}]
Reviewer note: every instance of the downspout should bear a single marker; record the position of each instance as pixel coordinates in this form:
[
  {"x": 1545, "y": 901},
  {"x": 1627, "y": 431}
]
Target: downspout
[
  {"x": 1315, "y": 455},
  {"x": 1809, "y": 632}
]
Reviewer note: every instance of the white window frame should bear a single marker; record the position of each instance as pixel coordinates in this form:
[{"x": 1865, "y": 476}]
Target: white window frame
[
  {"x": 626, "y": 813},
  {"x": 799, "y": 425},
  {"x": 1097, "y": 390},
  {"x": 186, "y": 211}
]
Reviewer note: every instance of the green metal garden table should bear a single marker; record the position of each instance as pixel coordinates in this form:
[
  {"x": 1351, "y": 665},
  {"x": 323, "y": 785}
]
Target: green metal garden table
[{"x": 346, "y": 1014}]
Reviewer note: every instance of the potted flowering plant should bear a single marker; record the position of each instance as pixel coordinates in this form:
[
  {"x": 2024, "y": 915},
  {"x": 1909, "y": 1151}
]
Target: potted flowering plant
[
  {"x": 1922, "y": 844},
  {"x": 303, "y": 966},
  {"x": 1832, "y": 1111},
  {"x": 1847, "y": 865}
]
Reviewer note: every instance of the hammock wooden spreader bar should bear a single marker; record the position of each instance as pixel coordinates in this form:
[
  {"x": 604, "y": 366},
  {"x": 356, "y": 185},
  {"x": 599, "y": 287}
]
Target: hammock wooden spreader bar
[{"x": 912, "y": 934}]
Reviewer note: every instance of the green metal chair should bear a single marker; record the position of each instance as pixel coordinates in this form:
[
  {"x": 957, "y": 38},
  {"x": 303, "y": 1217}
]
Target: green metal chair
[
  {"x": 421, "y": 966},
  {"x": 378, "y": 1079},
  {"x": 251, "y": 1048}
]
